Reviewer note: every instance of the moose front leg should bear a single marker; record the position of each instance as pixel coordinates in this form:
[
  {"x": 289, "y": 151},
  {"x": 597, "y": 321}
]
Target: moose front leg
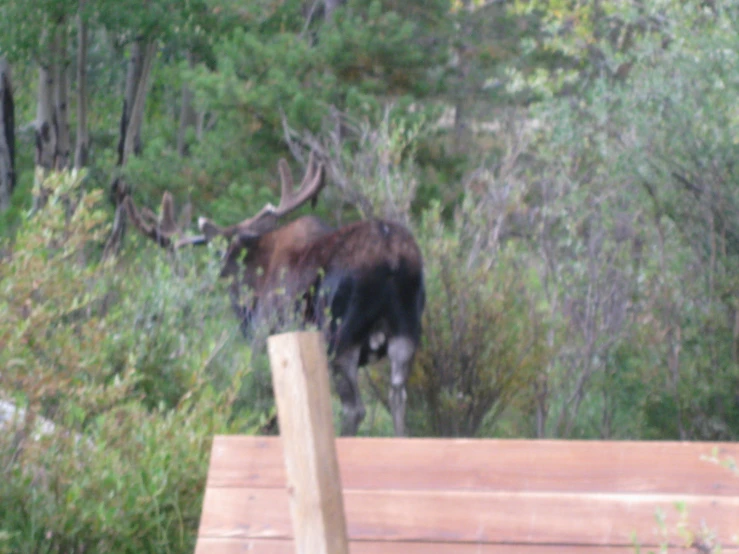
[
  {"x": 400, "y": 351},
  {"x": 346, "y": 378}
]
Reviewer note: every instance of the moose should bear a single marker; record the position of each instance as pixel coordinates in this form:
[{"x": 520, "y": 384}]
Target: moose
[{"x": 362, "y": 283}]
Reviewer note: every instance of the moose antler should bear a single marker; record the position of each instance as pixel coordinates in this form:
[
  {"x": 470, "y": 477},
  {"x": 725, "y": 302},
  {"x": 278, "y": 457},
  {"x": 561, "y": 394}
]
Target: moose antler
[
  {"x": 290, "y": 199},
  {"x": 165, "y": 230}
]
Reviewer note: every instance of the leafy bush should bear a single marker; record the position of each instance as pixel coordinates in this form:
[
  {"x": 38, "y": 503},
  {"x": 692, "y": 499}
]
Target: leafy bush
[
  {"x": 639, "y": 232},
  {"x": 172, "y": 316},
  {"x": 133, "y": 483},
  {"x": 483, "y": 341},
  {"x": 132, "y": 367}
]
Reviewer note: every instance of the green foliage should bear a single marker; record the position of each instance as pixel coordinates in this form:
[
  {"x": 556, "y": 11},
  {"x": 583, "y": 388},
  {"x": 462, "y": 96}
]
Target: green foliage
[
  {"x": 186, "y": 23},
  {"x": 483, "y": 340},
  {"x": 377, "y": 173},
  {"x": 132, "y": 369},
  {"x": 272, "y": 66},
  {"x": 19, "y": 200},
  {"x": 50, "y": 294},
  {"x": 134, "y": 483},
  {"x": 385, "y": 47},
  {"x": 220, "y": 177},
  {"x": 22, "y": 24},
  {"x": 582, "y": 279},
  {"x": 637, "y": 170},
  {"x": 599, "y": 227}
]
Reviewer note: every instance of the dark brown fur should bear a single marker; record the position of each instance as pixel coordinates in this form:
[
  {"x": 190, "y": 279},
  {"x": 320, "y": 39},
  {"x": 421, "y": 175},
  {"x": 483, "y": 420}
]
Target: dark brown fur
[
  {"x": 361, "y": 246},
  {"x": 263, "y": 263},
  {"x": 368, "y": 276},
  {"x": 297, "y": 256}
]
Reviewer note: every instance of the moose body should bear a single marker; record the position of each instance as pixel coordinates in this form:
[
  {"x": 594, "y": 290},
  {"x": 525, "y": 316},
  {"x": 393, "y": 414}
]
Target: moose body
[
  {"x": 366, "y": 278},
  {"x": 361, "y": 283},
  {"x": 373, "y": 286}
]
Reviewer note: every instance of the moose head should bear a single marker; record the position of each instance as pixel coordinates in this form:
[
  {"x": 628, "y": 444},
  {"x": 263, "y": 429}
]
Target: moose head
[{"x": 362, "y": 283}]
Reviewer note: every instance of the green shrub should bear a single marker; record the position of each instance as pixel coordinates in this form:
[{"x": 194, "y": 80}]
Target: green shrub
[
  {"x": 483, "y": 342},
  {"x": 133, "y": 483},
  {"x": 639, "y": 229},
  {"x": 172, "y": 315},
  {"x": 134, "y": 368}
]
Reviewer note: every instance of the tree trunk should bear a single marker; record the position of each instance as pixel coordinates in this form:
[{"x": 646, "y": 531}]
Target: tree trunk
[
  {"x": 142, "y": 57},
  {"x": 61, "y": 103},
  {"x": 45, "y": 132},
  {"x": 7, "y": 136},
  {"x": 133, "y": 76},
  {"x": 52, "y": 114},
  {"x": 83, "y": 137},
  {"x": 188, "y": 117},
  {"x": 45, "y": 128},
  {"x": 132, "y": 139}
]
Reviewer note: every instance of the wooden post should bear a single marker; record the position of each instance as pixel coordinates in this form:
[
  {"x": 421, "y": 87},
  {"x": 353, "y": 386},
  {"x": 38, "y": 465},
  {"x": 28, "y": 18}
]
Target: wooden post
[{"x": 303, "y": 397}]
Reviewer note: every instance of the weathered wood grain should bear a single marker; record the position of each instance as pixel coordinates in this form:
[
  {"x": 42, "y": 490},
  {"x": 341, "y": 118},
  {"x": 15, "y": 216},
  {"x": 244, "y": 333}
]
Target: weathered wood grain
[
  {"x": 276, "y": 546},
  {"x": 484, "y": 517},
  {"x": 438, "y": 496},
  {"x": 303, "y": 398},
  {"x": 492, "y": 465}
]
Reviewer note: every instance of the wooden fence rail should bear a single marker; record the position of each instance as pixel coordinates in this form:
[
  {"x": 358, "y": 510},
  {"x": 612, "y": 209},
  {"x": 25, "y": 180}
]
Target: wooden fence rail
[
  {"x": 279, "y": 495},
  {"x": 488, "y": 496}
]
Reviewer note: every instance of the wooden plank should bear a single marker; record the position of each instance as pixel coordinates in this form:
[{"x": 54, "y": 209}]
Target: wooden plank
[
  {"x": 303, "y": 399},
  {"x": 487, "y": 517},
  {"x": 276, "y": 546},
  {"x": 491, "y": 465}
]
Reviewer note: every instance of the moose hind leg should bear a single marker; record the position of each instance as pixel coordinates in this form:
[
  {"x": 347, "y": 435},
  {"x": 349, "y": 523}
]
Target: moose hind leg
[
  {"x": 346, "y": 378},
  {"x": 400, "y": 350}
]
